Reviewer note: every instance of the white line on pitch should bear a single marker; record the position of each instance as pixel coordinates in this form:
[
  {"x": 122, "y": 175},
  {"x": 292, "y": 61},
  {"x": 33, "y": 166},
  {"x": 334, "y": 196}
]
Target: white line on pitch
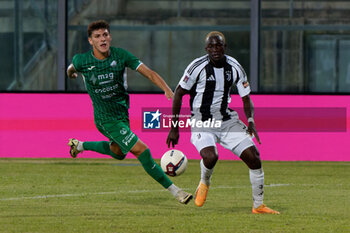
[
  {"x": 115, "y": 192},
  {"x": 245, "y": 186},
  {"x": 275, "y": 185},
  {"x": 74, "y": 195}
]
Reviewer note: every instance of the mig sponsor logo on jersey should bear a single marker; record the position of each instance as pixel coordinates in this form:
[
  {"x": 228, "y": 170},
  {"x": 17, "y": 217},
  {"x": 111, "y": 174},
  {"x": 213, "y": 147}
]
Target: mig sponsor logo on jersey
[
  {"x": 105, "y": 78},
  {"x": 152, "y": 120}
]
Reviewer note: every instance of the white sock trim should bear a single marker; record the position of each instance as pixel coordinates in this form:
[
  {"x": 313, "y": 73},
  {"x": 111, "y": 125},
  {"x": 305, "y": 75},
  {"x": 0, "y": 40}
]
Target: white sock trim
[
  {"x": 80, "y": 146},
  {"x": 173, "y": 189},
  {"x": 206, "y": 173},
  {"x": 257, "y": 180}
]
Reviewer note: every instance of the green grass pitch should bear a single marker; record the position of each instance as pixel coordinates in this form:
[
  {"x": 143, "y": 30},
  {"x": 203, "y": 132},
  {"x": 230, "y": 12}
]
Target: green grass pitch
[{"x": 105, "y": 195}]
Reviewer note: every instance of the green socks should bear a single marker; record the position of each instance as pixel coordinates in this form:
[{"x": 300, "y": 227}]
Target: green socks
[
  {"x": 153, "y": 169},
  {"x": 101, "y": 147}
]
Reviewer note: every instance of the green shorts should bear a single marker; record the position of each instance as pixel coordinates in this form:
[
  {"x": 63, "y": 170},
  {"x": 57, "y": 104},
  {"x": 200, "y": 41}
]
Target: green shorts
[{"x": 120, "y": 133}]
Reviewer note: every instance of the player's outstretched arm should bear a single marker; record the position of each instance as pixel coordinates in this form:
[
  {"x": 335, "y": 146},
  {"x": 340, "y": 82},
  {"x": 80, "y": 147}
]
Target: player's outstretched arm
[
  {"x": 173, "y": 136},
  {"x": 249, "y": 112},
  {"x": 71, "y": 72},
  {"x": 155, "y": 78}
]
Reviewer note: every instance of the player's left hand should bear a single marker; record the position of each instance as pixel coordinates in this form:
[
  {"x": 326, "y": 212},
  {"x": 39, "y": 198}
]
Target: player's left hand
[
  {"x": 173, "y": 137},
  {"x": 252, "y": 131}
]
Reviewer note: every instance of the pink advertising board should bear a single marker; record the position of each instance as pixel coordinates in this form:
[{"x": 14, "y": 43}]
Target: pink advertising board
[{"x": 291, "y": 127}]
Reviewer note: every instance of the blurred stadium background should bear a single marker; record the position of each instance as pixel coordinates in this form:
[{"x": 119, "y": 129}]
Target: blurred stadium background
[{"x": 286, "y": 46}]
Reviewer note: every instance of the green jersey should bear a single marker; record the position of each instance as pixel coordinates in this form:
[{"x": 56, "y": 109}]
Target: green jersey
[{"x": 105, "y": 82}]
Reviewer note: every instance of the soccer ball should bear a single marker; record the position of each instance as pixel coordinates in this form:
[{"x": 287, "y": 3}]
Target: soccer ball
[{"x": 173, "y": 162}]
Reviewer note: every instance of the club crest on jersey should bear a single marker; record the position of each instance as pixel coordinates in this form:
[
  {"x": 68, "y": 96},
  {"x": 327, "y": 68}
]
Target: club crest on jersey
[
  {"x": 228, "y": 75},
  {"x": 123, "y": 131},
  {"x": 186, "y": 78},
  {"x": 245, "y": 84},
  {"x": 113, "y": 63},
  {"x": 211, "y": 78}
]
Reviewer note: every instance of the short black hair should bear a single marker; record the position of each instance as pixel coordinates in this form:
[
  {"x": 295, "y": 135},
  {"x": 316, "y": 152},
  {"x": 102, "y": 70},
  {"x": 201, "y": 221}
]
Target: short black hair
[{"x": 99, "y": 24}]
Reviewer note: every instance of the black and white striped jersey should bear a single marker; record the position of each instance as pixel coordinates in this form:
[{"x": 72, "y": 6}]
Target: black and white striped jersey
[{"x": 210, "y": 87}]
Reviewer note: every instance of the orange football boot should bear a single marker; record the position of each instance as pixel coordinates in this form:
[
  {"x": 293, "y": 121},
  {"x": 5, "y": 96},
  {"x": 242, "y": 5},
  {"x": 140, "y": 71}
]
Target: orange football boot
[
  {"x": 201, "y": 194},
  {"x": 263, "y": 209}
]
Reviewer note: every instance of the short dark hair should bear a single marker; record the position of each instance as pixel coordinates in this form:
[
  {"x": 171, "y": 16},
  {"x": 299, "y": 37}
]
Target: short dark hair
[{"x": 99, "y": 24}]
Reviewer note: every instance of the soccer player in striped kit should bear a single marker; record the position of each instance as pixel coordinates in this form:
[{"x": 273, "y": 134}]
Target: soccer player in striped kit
[
  {"x": 208, "y": 81},
  {"x": 103, "y": 70}
]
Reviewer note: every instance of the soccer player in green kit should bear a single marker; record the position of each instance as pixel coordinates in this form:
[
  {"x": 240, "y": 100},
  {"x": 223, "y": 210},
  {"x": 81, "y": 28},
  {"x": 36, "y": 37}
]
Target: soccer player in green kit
[{"x": 103, "y": 73}]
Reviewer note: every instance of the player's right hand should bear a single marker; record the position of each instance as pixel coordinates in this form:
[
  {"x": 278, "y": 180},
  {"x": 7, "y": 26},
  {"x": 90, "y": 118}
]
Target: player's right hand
[
  {"x": 169, "y": 94},
  {"x": 253, "y": 132},
  {"x": 173, "y": 137}
]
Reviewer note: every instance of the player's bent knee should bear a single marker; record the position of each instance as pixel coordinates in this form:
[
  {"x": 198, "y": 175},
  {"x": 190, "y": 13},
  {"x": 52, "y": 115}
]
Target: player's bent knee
[
  {"x": 117, "y": 151},
  {"x": 209, "y": 156},
  {"x": 138, "y": 148},
  {"x": 251, "y": 157},
  {"x": 256, "y": 164}
]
